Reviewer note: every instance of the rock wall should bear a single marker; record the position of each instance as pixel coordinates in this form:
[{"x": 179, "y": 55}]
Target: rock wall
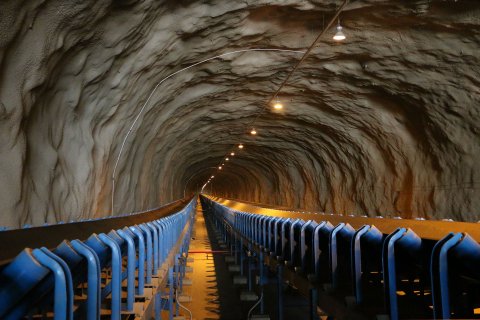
[{"x": 386, "y": 123}]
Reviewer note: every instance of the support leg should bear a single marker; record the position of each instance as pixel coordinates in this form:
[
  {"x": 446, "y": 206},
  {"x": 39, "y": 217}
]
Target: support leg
[
  {"x": 249, "y": 264},
  {"x": 261, "y": 281},
  {"x": 236, "y": 249},
  {"x": 313, "y": 303},
  {"x": 280, "y": 292},
  {"x": 158, "y": 306},
  {"x": 242, "y": 257},
  {"x": 170, "y": 295}
]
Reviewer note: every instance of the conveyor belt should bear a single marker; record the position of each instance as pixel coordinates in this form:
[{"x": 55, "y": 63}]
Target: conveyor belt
[
  {"x": 426, "y": 229},
  {"x": 114, "y": 268},
  {"x": 356, "y": 267},
  {"x": 14, "y": 241}
]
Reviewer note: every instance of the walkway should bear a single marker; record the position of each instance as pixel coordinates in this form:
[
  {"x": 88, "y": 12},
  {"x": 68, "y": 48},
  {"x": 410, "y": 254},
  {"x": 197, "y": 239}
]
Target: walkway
[
  {"x": 211, "y": 290},
  {"x": 214, "y": 296}
]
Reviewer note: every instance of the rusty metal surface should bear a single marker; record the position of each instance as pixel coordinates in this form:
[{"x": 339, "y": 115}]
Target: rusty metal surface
[
  {"x": 426, "y": 229},
  {"x": 14, "y": 241}
]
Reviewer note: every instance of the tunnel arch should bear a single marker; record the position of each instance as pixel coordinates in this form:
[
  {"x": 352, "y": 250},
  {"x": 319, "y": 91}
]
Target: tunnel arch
[{"x": 385, "y": 123}]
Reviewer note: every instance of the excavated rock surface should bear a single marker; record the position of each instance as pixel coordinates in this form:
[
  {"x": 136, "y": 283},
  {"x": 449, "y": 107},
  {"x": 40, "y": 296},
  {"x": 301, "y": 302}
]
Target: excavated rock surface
[{"x": 386, "y": 123}]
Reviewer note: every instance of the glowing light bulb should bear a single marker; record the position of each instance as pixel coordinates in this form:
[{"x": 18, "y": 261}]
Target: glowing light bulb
[
  {"x": 232, "y": 153},
  {"x": 220, "y": 168},
  {"x": 278, "y": 105},
  {"x": 339, "y": 36},
  {"x": 223, "y": 164},
  {"x": 240, "y": 146},
  {"x": 253, "y": 132},
  {"x": 212, "y": 177},
  {"x": 226, "y": 159}
]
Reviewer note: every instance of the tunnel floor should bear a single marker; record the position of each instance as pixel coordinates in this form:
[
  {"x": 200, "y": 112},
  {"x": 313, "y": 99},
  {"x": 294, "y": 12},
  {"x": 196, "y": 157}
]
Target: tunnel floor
[
  {"x": 213, "y": 294},
  {"x": 211, "y": 291}
]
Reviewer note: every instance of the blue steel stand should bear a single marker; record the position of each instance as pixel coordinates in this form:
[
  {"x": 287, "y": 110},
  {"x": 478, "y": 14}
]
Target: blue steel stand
[
  {"x": 261, "y": 281},
  {"x": 177, "y": 281},
  {"x": 280, "y": 292},
  {"x": 249, "y": 269},
  {"x": 158, "y": 305},
  {"x": 170, "y": 293},
  {"x": 313, "y": 303},
  {"x": 242, "y": 257},
  {"x": 232, "y": 240},
  {"x": 236, "y": 252}
]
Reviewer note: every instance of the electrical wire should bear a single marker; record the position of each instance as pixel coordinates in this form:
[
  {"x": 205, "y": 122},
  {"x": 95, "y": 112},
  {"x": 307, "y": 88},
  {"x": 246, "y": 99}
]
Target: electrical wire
[
  {"x": 297, "y": 65},
  {"x": 255, "y": 305},
  {"x": 122, "y": 147},
  {"x": 304, "y": 56},
  {"x": 182, "y": 306},
  {"x": 183, "y": 261}
]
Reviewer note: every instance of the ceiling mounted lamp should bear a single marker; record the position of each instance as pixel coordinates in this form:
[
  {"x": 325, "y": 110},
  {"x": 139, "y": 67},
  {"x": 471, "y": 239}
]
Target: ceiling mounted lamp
[
  {"x": 253, "y": 132},
  {"x": 212, "y": 177},
  {"x": 339, "y": 36},
  {"x": 226, "y": 159},
  {"x": 223, "y": 164},
  {"x": 240, "y": 146},
  {"x": 277, "y": 105},
  {"x": 232, "y": 153},
  {"x": 220, "y": 168}
]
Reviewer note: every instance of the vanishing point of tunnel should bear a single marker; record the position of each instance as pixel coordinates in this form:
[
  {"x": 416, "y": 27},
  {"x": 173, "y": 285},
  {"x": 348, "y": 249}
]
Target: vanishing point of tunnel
[{"x": 112, "y": 107}]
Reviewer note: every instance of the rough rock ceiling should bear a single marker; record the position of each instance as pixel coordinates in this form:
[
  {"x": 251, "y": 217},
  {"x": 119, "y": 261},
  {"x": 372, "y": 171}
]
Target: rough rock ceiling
[{"x": 386, "y": 123}]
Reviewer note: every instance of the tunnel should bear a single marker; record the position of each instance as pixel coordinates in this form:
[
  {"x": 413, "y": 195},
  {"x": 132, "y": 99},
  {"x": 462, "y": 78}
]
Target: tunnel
[{"x": 208, "y": 122}]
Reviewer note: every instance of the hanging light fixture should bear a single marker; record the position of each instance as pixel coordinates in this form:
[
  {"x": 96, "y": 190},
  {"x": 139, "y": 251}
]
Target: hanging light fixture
[
  {"x": 220, "y": 168},
  {"x": 278, "y": 105},
  {"x": 232, "y": 153},
  {"x": 226, "y": 159},
  {"x": 253, "y": 132},
  {"x": 339, "y": 35},
  {"x": 240, "y": 146}
]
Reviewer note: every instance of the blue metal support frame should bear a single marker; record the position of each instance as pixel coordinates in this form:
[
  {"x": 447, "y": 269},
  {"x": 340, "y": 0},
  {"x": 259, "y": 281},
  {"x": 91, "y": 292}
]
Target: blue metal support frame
[
  {"x": 350, "y": 258},
  {"x": 47, "y": 278},
  {"x": 365, "y": 230},
  {"x": 149, "y": 244},
  {"x": 61, "y": 294},
  {"x": 141, "y": 258},
  {"x": 116, "y": 281},
  {"x": 93, "y": 278},
  {"x": 127, "y": 235}
]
